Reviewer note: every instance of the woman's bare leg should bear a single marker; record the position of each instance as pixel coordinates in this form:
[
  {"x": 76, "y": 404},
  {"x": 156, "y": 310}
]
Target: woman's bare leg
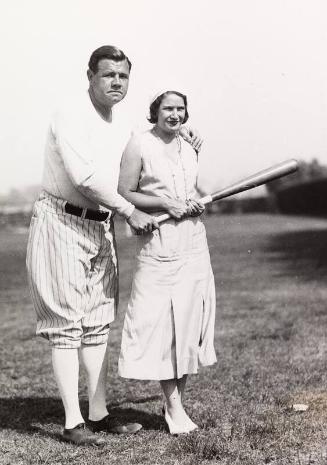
[
  {"x": 181, "y": 384},
  {"x": 174, "y": 408}
]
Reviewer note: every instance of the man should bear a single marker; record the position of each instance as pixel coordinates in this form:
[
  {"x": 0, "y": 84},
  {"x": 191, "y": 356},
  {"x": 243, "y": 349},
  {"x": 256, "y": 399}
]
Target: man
[{"x": 71, "y": 256}]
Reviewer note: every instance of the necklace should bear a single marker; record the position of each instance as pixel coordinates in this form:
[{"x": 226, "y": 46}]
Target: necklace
[
  {"x": 179, "y": 151},
  {"x": 173, "y": 168}
]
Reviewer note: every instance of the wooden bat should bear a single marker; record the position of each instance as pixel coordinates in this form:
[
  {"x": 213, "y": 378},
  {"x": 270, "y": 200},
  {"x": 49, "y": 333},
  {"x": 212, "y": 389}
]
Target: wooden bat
[{"x": 257, "y": 179}]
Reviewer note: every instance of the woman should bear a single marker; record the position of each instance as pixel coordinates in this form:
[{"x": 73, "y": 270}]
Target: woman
[{"x": 169, "y": 323}]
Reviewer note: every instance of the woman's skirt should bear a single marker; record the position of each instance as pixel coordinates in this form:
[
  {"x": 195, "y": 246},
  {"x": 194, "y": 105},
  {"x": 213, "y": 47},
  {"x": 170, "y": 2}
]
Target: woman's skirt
[{"x": 169, "y": 324}]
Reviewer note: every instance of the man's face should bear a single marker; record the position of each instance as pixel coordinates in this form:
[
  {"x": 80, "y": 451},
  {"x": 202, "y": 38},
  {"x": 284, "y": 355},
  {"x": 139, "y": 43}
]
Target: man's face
[{"x": 110, "y": 83}]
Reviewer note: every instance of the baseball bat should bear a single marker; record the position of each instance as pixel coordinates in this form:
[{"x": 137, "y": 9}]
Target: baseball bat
[{"x": 257, "y": 179}]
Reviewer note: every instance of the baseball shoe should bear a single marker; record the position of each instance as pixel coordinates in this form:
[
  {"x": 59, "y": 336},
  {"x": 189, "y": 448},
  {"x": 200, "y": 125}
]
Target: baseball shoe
[
  {"x": 81, "y": 436},
  {"x": 106, "y": 425}
]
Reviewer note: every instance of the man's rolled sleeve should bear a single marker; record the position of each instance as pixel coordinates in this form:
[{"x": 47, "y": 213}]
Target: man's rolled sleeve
[{"x": 97, "y": 188}]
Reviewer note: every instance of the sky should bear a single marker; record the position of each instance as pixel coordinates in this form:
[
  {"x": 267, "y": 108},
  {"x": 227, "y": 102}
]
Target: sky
[{"x": 254, "y": 71}]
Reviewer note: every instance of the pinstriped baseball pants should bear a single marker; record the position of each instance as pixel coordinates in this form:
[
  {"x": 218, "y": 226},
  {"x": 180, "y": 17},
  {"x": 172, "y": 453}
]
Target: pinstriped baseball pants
[{"x": 73, "y": 275}]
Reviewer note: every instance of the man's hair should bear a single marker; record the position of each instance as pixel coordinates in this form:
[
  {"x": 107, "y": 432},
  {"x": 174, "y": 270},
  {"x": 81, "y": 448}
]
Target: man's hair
[
  {"x": 107, "y": 52},
  {"x": 154, "y": 107}
]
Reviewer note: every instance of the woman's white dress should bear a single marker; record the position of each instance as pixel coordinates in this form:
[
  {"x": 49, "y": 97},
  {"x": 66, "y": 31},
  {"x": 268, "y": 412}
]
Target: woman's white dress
[{"x": 169, "y": 323}]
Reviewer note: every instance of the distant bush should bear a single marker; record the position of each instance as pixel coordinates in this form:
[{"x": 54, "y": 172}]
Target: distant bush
[
  {"x": 243, "y": 205},
  {"x": 303, "y": 192},
  {"x": 15, "y": 219},
  {"x": 307, "y": 172},
  {"x": 307, "y": 198}
]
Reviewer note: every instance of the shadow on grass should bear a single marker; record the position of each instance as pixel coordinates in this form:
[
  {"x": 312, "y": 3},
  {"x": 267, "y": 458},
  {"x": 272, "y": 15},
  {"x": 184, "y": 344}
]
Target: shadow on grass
[
  {"x": 141, "y": 400},
  {"x": 27, "y": 415},
  {"x": 302, "y": 253}
]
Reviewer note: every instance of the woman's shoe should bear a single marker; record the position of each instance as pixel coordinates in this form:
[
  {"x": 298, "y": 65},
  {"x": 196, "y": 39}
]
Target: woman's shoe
[
  {"x": 192, "y": 426},
  {"x": 172, "y": 427}
]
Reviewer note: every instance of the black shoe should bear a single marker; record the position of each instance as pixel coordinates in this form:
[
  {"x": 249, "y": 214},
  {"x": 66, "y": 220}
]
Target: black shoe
[
  {"x": 106, "y": 425},
  {"x": 81, "y": 436}
]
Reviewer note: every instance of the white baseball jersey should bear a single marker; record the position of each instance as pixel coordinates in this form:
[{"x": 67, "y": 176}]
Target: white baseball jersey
[{"x": 82, "y": 156}]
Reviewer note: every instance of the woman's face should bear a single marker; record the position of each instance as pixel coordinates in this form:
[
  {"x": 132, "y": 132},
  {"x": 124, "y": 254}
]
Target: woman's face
[{"x": 171, "y": 113}]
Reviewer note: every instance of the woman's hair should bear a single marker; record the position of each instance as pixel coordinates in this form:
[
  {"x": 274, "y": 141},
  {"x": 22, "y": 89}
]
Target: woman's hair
[
  {"x": 107, "y": 51},
  {"x": 154, "y": 107}
]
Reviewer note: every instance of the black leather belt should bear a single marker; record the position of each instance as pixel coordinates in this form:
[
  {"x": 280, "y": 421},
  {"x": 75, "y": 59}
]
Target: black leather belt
[{"x": 89, "y": 214}]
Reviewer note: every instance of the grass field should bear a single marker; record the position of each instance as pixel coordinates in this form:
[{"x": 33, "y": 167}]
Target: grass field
[{"x": 271, "y": 345}]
